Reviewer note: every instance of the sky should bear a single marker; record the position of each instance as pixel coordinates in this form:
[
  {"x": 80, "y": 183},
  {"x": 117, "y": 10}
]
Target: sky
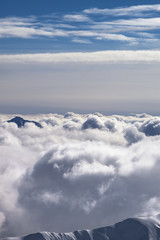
[{"x": 82, "y": 56}]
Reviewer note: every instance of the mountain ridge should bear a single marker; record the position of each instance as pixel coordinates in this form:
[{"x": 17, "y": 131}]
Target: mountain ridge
[
  {"x": 20, "y": 122},
  {"x": 129, "y": 229}
]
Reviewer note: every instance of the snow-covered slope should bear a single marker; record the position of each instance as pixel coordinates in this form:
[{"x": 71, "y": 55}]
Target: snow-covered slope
[{"x": 129, "y": 229}]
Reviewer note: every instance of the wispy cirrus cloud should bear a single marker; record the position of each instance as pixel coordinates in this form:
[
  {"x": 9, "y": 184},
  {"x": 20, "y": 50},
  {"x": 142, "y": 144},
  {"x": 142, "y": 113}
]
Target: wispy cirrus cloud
[
  {"x": 119, "y": 24},
  {"x": 30, "y": 29},
  {"x": 81, "y": 40},
  {"x": 100, "y": 35},
  {"x": 76, "y": 18},
  {"x": 27, "y": 28},
  {"x": 132, "y": 10},
  {"x": 150, "y": 22},
  {"x": 132, "y": 25}
]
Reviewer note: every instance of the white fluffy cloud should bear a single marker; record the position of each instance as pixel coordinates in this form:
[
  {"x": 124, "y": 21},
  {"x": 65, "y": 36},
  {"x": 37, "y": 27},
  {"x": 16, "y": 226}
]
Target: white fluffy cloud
[{"x": 77, "y": 171}]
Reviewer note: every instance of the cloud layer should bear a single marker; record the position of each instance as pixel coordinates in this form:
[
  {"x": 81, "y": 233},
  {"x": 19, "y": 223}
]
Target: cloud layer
[
  {"x": 144, "y": 56},
  {"x": 78, "y": 171}
]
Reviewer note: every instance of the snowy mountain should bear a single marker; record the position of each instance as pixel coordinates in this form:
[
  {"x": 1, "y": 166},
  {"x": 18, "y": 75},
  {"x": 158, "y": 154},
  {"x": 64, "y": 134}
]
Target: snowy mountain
[{"x": 129, "y": 229}]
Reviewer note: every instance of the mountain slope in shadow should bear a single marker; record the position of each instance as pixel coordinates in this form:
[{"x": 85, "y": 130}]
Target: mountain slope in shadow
[
  {"x": 21, "y": 122},
  {"x": 129, "y": 229}
]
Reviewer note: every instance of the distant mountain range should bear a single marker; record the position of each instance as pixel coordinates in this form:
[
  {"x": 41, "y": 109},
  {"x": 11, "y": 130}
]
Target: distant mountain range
[
  {"x": 21, "y": 122},
  {"x": 129, "y": 229}
]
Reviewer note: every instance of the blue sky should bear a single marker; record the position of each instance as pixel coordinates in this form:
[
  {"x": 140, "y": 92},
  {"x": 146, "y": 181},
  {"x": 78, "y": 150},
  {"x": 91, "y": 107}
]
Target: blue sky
[
  {"x": 40, "y": 7},
  {"x": 60, "y": 26},
  {"x": 82, "y": 56}
]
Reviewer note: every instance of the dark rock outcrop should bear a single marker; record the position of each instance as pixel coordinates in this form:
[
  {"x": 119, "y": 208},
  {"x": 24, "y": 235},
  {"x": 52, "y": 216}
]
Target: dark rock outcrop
[{"x": 21, "y": 122}]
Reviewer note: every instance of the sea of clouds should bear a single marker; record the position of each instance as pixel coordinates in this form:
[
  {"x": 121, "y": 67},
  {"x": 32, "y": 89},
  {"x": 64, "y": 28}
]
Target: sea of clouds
[{"x": 77, "y": 171}]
